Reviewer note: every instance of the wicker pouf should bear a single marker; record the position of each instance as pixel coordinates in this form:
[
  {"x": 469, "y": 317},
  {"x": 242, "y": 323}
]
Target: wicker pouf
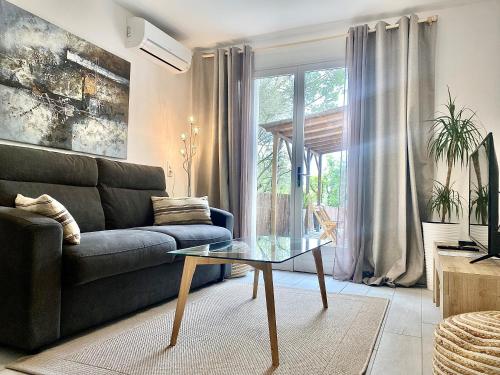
[
  {"x": 239, "y": 270},
  {"x": 468, "y": 344}
]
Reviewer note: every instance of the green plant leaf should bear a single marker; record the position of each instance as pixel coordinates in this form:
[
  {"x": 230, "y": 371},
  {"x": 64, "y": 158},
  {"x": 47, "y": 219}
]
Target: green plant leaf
[
  {"x": 454, "y": 134},
  {"x": 445, "y": 201}
]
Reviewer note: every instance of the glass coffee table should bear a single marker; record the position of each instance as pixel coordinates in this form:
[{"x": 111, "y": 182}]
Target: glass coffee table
[{"x": 260, "y": 253}]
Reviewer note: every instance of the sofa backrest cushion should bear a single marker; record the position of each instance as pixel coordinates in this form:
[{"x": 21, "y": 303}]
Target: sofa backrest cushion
[
  {"x": 71, "y": 179},
  {"x": 126, "y": 191}
]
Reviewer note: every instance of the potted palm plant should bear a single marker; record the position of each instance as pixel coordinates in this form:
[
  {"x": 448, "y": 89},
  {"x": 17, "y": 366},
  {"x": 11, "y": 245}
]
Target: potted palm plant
[{"x": 453, "y": 136}]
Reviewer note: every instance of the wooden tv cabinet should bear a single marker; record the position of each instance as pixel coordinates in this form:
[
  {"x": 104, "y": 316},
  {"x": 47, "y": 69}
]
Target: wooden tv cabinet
[{"x": 461, "y": 287}]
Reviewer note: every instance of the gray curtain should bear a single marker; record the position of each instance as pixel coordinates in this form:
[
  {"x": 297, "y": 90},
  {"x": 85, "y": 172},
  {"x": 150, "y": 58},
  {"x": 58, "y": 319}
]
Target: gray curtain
[
  {"x": 222, "y": 105},
  {"x": 389, "y": 176}
]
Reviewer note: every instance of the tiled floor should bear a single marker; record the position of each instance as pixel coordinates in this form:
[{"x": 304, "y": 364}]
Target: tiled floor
[{"x": 405, "y": 343}]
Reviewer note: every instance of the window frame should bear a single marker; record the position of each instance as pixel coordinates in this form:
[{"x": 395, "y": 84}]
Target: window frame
[{"x": 298, "y": 122}]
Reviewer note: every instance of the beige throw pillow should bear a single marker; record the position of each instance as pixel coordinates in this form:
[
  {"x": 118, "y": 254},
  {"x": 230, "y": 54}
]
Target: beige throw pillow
[
  {"x": 47, "y": 206},
  {"x": 187, "y": 210}
]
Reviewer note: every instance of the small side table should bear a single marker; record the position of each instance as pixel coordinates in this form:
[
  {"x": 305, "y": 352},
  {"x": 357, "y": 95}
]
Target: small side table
[{"x": 461, "y": 287}]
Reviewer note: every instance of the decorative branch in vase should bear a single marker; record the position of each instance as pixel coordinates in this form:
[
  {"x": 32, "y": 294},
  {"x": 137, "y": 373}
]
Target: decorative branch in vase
[{"x": 188, "y": 151}]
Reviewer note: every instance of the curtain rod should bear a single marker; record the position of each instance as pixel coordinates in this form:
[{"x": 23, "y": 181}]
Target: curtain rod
[{"x": 428, "y": 20}]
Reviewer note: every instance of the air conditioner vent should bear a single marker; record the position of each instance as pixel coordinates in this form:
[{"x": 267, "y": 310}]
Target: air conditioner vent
[
  {"x": 157, "y": 46},
  {"x": 160, "y": 59}
]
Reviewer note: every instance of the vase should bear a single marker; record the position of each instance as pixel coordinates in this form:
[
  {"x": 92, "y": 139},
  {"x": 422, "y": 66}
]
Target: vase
[{"x": 189, "y": 184}]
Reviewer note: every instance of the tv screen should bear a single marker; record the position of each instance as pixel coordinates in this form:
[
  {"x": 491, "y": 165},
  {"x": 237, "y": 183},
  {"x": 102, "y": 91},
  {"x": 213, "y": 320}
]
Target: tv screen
[{"x": 479, "y": 195}]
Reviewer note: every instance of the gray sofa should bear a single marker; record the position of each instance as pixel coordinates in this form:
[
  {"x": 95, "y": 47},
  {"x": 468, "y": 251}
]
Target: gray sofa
[{"x": 50, "y": 290}]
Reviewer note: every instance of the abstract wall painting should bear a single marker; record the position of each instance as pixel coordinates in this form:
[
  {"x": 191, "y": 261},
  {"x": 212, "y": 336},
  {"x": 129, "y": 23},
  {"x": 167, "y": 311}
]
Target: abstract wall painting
[{"x": 58, "y": 90}]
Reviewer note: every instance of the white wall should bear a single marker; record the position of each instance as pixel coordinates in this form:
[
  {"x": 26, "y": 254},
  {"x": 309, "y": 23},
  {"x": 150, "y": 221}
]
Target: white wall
[
  {"x": 332, "y": 50},
  {"x": 294, "y": 52},
  {"x": 467, "y": 60},
  {"x": 159, "y": 100}
]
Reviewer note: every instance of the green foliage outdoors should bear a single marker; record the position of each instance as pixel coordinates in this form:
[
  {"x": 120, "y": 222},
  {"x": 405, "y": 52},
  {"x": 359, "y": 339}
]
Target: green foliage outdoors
[
  {"x": 330, "y": 181},
  {"x": 324, "y": 91}
]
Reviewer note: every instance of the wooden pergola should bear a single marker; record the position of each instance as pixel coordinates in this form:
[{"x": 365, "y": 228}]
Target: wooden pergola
[{"x": 322, "y": 135}]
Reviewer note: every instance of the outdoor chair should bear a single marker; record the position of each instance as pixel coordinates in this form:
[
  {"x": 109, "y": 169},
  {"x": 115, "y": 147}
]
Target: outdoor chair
[{"x": 327, "y": 224}]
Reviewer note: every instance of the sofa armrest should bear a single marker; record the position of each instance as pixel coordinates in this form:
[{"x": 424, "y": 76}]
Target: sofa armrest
[
  {"x": 222, "y": 218},
  {"x": 30, "y": 279}
]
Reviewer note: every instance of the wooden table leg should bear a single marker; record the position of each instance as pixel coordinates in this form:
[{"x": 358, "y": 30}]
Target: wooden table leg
[
  {"x": 434, "y": 281},
  {"x": 271, "y": 313},
  {"x": 436, "y": 286},
  {"x": 187, "y": 276},
  {"x": 321, "y": 275},
  {"x": 255, "y": 282},
  {"x": 437, "y": 282}
]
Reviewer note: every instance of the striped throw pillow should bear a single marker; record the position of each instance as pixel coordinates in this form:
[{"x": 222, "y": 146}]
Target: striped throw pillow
[
  {"x": 187, "y": 210},
  {"x": 47, "y": 206}
]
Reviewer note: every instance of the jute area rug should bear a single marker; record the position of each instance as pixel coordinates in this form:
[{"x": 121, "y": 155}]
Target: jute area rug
[{"x": 224, "y": 331}]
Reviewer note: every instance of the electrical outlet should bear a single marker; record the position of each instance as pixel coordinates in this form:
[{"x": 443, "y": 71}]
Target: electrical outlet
[{"x": 170, "y": 172}]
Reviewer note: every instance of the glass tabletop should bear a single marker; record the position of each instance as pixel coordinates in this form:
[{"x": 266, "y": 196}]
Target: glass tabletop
[{"x": 270, "y": 249}]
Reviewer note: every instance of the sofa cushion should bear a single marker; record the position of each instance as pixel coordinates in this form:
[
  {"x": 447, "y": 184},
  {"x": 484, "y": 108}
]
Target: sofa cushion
[
  {"x": 130, "y": 176},
  {"x": 33, "y": 165},
  {"x": 84, "y": 203},
  {"x": 192, "y": 235},
  {"x": 126, "y": 191},
  {"x": 112, "y": 252},
  {"x": 127, "y": 208},
  {"x": 47, "y": 206},
  {"x": 71, "y": 179},
  {"x": 185, "y": 210}
]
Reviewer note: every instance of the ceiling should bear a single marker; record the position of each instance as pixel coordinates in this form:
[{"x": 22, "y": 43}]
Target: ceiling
[{"x": 204, "y": 23}]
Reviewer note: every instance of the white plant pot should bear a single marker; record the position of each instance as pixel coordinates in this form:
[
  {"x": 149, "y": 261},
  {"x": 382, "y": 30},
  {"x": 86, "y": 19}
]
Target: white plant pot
[{"x": 436, "y": 232}]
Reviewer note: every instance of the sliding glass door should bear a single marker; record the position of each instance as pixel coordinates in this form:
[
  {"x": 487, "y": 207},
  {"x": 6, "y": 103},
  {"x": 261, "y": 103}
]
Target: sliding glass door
[{"x": 299, "y": 112}]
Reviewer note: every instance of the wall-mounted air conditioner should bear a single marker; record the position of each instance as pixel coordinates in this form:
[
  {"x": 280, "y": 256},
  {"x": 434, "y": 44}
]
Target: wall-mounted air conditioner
[{"x": 157, "y": 45}]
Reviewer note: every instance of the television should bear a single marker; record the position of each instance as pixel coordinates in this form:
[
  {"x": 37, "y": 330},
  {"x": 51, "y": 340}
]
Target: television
[{"x": 483, "y": 199}]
